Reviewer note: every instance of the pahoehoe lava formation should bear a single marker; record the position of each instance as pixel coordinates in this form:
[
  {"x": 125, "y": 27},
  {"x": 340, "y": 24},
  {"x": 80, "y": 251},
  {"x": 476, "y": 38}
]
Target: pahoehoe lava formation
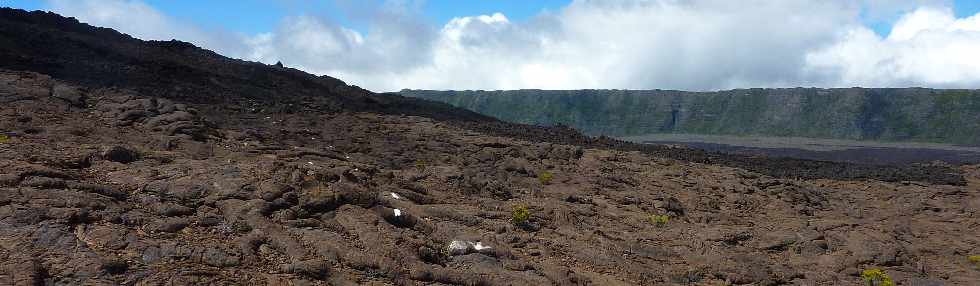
[{"x": 129, "y": 162}]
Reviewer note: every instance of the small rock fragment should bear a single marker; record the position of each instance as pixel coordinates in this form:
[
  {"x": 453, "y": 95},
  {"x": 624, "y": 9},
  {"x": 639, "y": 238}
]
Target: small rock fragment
[{"x": 120, "y": 154}]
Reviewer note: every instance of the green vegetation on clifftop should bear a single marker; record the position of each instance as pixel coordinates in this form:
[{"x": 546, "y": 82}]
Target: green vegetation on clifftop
[{"x": 881, "y": 114}]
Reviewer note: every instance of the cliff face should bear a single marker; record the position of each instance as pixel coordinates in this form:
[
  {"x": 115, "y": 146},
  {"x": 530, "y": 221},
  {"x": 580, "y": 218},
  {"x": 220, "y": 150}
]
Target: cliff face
[
  {"x": 903, "y": 114},
  {"x": 125, "y": 162}
]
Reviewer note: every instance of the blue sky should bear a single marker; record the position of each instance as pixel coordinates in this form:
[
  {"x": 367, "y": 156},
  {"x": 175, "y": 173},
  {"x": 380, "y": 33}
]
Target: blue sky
[
  {"x": 965, "y": 8},
  {"x": 443, "y": 10},
  {"x": 256, "y": 16},
  {"x": 387, "y": 45},
  {"x": 961, "y": 8}
]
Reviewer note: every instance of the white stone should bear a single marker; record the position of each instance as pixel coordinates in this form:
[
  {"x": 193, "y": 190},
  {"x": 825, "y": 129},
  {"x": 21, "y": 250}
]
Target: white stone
[
  {"x": 458, "y": 247},
  {"x": 479, "y": 246}
]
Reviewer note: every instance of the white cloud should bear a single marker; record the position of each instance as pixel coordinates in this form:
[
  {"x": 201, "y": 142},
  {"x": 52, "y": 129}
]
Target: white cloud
[
  {"x": 639, "y": 44},
  {"x": 631, "y": 44},
  {"x": 142, "y": 21},
  {"x": 878, "y": 10},
  {"x": 134, "y": 17},
  {"x": 927, "y": 47},
  {"x": 399, "y": 42}
]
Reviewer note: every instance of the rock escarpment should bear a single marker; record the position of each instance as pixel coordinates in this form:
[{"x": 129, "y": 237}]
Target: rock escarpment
[
  {"x": 882, "y": 114},
  {"x": 164, "y": 168}
]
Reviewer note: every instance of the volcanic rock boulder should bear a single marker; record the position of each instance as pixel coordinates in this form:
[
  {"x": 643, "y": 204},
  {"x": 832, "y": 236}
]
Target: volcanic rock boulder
[
  {"x": 152, "y": 114},
  {"x": 120, "y": 154}
]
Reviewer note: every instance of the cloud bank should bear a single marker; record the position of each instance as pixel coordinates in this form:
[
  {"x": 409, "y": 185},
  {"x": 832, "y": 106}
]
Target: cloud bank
[
  {"x": 634, "y": 44},
  {"x": 927, "y": 47}
]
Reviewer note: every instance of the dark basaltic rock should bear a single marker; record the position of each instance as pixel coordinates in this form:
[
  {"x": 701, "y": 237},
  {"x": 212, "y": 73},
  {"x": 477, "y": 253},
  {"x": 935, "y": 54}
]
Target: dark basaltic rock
[
  {"x": 73, "y": 95},
  {"x": 248, "y": 174},
  {"x": 115, "y": 266},
  {"x": 120, "y": 154},
  {"x": 673, "y": 205}
]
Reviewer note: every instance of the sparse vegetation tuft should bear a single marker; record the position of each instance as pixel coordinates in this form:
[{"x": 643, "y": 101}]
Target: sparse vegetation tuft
[
  {"x": 520, "y": 215},
  {"x": 4, "y": 138},
  {"x": 975, "y": 259},
  {"x": 444, "y": 252},
  {"x": 659, "y": 220},
  {"x": 420, "y": 165},
  {"x": 876, "y": 277},
  {"x": 545, "y": 178}
]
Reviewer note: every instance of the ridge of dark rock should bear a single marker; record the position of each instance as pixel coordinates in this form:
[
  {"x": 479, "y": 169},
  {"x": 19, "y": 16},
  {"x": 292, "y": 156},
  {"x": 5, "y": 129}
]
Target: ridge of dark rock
[
  {"x": 69, "y": 50},
  {"x": 115, "y": 171}
]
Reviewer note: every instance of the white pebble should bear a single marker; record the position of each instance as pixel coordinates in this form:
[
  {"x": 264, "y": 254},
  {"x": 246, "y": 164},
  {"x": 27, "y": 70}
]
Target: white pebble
[{"x": 479, "y": 246}]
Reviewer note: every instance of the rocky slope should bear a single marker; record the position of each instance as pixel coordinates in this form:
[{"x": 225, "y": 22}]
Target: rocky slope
[
  {"x": 905, "y": 114},
  {"x": 117, "y": 171}
]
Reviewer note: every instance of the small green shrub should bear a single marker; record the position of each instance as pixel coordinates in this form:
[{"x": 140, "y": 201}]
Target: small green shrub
[
  {"x": 420, "y": 165},
  {"x": 444, "y": 252},
  {"x": 975, "y": 259},
  {"x": 520, "y": 215},
  {"x": 4, "y": 138},
  {"x": 659, "y": 220},
  {"x": 545, "y": 178},
  {"x": 876, "y": 277}
]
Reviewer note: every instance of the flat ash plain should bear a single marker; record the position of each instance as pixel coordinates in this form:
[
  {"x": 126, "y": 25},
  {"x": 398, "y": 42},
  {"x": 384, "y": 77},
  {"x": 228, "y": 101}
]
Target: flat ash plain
[{"x": 850, "y": 151}]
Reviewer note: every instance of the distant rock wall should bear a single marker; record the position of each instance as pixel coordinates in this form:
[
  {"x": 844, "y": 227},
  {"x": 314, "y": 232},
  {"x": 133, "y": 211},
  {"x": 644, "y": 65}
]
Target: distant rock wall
[{"x": 894, "y": 114}]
